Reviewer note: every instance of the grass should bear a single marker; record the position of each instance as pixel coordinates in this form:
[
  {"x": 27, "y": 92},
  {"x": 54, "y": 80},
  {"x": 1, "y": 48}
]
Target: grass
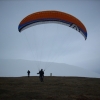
[{"x": 53, "y": 88}]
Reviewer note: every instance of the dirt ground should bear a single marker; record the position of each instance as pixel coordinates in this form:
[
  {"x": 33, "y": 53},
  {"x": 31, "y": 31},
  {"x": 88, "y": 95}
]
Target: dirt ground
[{"x": 53, "y": 88}]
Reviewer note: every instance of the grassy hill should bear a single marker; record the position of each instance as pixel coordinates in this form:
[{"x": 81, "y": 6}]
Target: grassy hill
[{"x": 53, "y": 88}]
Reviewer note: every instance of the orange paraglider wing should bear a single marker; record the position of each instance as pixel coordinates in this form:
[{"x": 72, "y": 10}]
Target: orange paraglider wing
[{"x": 53, "y": 16}]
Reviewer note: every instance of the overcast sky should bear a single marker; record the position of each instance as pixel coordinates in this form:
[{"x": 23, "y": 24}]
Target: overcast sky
[{"x": 51, "y": 42}]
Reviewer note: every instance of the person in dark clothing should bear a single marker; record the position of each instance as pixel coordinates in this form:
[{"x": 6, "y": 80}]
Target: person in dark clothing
[
  {"x": 41, "y": 75},
  {"x": 28, "y": 72}
]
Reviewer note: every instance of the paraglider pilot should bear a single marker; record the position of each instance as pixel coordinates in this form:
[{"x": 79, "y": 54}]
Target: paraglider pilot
[
  {"x": 28, "y": 72},
  {"x": 41, "y": 75}
]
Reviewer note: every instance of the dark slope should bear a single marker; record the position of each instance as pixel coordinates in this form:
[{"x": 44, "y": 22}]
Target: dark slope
[{"x": 53, "y": 88}]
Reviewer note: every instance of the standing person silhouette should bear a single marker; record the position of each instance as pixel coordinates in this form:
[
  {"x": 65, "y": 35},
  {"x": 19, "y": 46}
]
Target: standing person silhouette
[
  {"x": 41, "y": 75},
  {"x": 28, "y": 72}
]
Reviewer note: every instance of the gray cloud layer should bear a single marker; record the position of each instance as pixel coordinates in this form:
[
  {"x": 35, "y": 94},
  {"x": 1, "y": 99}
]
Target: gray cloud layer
[{"x": 51, "y": 42}]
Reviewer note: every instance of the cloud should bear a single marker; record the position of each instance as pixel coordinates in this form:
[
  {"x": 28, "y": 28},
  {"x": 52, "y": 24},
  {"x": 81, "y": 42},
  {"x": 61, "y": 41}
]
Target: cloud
[
  {"x": 51, "y": 42},
  {"x": 15, "y": 68}
]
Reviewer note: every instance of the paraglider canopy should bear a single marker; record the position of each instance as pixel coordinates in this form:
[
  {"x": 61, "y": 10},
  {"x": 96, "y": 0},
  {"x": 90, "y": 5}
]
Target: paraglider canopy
[{"x": 53, "y": 16}]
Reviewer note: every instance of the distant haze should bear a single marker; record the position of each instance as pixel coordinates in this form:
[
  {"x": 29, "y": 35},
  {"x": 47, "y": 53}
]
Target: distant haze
[{"x": 16, "y": 68}]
